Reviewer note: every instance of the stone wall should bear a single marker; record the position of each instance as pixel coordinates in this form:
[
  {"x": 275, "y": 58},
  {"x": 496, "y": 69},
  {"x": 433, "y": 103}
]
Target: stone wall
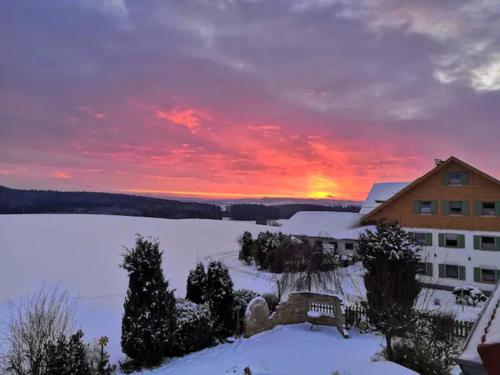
[{"x": 294, "y": 310}]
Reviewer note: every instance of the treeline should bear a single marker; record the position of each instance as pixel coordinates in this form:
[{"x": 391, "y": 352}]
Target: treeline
[
  {"x": 262, "y": 213},
  {"x": 14, "y": 201}
]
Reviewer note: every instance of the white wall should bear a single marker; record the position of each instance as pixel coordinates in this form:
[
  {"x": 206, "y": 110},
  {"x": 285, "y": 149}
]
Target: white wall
[{"x": 467, "y": 257}]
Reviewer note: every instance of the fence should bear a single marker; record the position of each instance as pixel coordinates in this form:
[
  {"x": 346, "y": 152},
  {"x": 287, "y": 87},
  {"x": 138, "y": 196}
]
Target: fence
[
  {"x": 355, "y": 313},
  {"x": 328, "y": 310}
]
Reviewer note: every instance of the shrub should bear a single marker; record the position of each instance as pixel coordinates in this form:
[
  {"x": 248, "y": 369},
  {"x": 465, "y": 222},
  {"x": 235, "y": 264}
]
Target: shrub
[
  {"x": 220, "y": 298},
  {"x": 468, "y": 295},
  {"x": 194, "y": 330},
  {"x": 196, "y": 284},
  {"x": 272, "y": 301},
  {"x": 246, "y": 242}
]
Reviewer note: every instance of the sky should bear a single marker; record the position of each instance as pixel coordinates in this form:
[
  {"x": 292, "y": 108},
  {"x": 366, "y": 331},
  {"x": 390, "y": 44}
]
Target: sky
[{"x": 245, "y": 98}]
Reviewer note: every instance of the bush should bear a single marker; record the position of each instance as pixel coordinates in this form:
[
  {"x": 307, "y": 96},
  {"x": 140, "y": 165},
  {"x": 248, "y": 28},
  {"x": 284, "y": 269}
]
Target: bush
[
  {"x": 272, "y": 301},
  {"x": 196, "y": 284},
  {"x": 468, "y": 295},
  {"x": 194, "y": 329},
  {"x": 220, "y": 298},
  {"x": 429, "y": 347}
]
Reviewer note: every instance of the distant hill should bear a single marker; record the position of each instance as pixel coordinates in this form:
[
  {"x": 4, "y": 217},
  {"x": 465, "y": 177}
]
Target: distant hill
[
  {"x": 15, "y": 201},
  {"x": 262, "y": 213}
]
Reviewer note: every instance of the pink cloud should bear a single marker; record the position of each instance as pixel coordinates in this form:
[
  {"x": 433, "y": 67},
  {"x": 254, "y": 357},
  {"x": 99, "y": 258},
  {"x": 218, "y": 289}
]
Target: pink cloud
[
  {"x": 190, "y": 118},
  {"x": 63, "y": 175}
]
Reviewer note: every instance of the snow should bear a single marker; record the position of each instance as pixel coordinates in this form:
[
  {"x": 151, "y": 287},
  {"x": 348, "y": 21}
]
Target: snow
[
  {"x": 379, "y": 193},
  {"x": 338, "y": 225},
  {"x": 291, "y": 349},
  {"x": 313, "y": 314},
  {"x": 82, "y": 254}
]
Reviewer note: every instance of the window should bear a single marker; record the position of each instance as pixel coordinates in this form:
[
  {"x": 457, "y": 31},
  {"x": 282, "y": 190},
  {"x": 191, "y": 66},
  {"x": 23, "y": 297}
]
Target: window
[
  {"x": 455, "y": 178},
  {"x": 488, "y": 276},
  {"x": 488, "y": 208},
  {"x": 349, "y": 246},
  {"x": 451, "y": 272},
  {"x": 452, "y": 240},
  {"x": 424, "y": 269},
  {"x": 425, "y": 207},
  {"x": 455, "y": 208},
  {"x": 423, "y": 239},
  {"x": 487, "y": 243}
]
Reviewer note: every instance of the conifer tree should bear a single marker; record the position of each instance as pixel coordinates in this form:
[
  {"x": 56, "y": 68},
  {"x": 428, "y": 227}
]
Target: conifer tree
[
  {"x": 220, "y": 298},
  {"x": 57, "y": 357},
  {"x": 196, "y": 284},
  {"x": 77, "y": 355},
  {"x": 148, "y": 322},
  {"x": 246, "y": 243},
  {"x": 390, "y": 257}
]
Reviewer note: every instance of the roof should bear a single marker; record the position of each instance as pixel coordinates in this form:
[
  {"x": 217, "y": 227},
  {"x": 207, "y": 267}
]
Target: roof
[
  {"x": 379, "y": 193},
  {"x": 327, "y": 224},
  {"x": 486, "y": 330},
  {"x": 423, "y": 178}
]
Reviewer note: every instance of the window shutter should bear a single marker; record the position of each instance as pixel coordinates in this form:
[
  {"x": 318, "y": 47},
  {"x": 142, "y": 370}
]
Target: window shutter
[
  {"x": 479, "y": 208},
  {"x": 446, "y": 178},
  {"x": 477, "y": 242},
  {"x": 461, "y": 241},
  {"x": 464, "y": 178},
  {"x": 441, "y": 239},
  {"x": 441, "y": 270},
  {"x": 461, "y": 272},
  {"x": 416, "y": 207},
  {"x": 498, "y": 276},
  {"x": 465, "y": 208},
  {"x": 434, "y": 207},
  {"x": 477, "y": 274},
  {"x": 428, "y": 239},
  {"x": 497, "y": 243},
  {"x": 428, "y": 269},
  {"x": 446, "y": 207},
  {"x": 497, "y": 208}
]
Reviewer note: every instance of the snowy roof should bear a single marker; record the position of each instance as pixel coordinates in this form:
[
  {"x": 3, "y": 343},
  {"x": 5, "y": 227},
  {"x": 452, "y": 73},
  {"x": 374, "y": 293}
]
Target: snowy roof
[
  {"x": 338, "y": 225},
  {"x": 379, "y": 193},
  {"x": 486, "y": 330}
]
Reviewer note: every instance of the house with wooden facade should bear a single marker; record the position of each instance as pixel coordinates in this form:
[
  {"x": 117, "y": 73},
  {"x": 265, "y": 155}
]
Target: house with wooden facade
[{"x": 453, "y": 211}]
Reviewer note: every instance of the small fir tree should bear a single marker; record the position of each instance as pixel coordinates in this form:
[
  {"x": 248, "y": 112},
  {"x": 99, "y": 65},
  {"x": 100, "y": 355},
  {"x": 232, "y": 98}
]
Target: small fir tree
[
  {"x": 57, "y": 357},
  {"x": 220, "y": 298},
  {"x": 390, "y": 257},
  {"x": 246, "y": 243},
  {"x": 78, "y": 363},
  {"x": 148, "y": 322},
  {"x": 196, "y": 284}
]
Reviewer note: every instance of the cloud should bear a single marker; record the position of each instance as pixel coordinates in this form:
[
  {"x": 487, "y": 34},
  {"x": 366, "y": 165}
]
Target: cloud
[
  {"x": 62, "y": 175},
  {"x": 190, "y": 118}
]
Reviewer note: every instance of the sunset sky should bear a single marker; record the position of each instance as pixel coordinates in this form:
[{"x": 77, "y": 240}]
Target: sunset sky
[{"x": 295, "y": 98}]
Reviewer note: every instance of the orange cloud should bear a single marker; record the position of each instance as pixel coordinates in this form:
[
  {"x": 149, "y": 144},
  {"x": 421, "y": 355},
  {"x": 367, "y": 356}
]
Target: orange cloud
[
  {"x": 63, "y": 175},
  {"x": 190, "y": 117}
]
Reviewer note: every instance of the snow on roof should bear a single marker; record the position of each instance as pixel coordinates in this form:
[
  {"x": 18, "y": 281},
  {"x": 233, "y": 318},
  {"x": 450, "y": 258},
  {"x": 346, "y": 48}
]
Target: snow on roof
[
  {"x": 379, "y": 193},
  {"x": 338, "y": 225},
  {"x": 486, "y": 330}
]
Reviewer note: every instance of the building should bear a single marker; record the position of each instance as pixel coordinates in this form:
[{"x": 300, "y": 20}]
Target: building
[
  {"x": 454, "y": 213},
  {"x": 481, "y": 353},
  {"x": 338, "y": 231}
]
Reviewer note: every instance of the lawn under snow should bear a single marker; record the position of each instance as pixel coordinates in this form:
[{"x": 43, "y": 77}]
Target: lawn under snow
[
  {"x": 82, "y": 254},
  {"x": 292, "y": 349}
]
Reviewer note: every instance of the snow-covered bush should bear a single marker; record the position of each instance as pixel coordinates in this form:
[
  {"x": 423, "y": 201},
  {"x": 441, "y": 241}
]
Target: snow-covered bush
[
  {"x": 196, "y": 284},
  {"x": 468, "y": 295},
  {"x": 220, "y": 298},
  {"x": 246, "y": 242},
  {"x": 272, "y": 301},
  {"x": 194, "y": 329}
]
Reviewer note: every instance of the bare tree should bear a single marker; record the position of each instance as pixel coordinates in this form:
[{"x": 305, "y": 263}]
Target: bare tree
[{"x": 34, "y": 323}]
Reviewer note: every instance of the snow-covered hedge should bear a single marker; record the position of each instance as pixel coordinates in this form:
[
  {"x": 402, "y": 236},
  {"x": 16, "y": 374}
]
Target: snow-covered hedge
[
  {"x": 194, "y": 328},
  {"x": 468, "y": 295}
]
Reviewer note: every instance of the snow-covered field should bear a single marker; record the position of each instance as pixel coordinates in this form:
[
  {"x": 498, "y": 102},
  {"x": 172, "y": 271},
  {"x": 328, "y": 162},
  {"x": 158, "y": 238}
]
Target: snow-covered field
[
  {"x": 293, "y": 349},
  {"x": 82, "y": 254}
]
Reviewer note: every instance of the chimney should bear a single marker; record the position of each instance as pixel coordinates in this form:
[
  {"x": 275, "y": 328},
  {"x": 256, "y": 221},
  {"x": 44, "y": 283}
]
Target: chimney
[{"x": 438, "y": 162}]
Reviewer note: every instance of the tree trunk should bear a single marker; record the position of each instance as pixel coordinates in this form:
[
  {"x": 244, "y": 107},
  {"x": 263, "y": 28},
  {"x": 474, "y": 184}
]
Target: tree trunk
[{"x": 388, "y": 341}]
